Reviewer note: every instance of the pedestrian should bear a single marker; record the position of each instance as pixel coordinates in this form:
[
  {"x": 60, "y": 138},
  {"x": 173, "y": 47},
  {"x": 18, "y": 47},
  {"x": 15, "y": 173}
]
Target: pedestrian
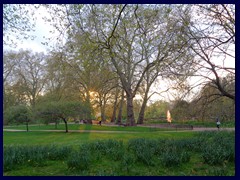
[
  {"x": 218, "y": 123},
  {"x": 100, "y": 123}
]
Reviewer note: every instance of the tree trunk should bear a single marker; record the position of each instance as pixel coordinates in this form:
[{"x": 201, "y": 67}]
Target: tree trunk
[
  {"x": 27, "y": 125},
  {"x": 103, "y": 118},
  {"x": 66, "y": 126},
  {"x": 119, "y": 119},
  {"x": 142, "y": 111},
  {"x": 130, "y": 112},
  {"x": 144, "y": 104},
  {"x": 55, "y": 124},
  {"x": 113, "y": 118}
]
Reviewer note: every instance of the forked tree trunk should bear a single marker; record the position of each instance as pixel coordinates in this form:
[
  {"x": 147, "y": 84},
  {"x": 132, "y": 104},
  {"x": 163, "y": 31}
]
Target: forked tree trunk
[
  {"x": 142, "y": 111},
  {"x": 143, "y": 107},
  {"x": 66, "y": 125}
]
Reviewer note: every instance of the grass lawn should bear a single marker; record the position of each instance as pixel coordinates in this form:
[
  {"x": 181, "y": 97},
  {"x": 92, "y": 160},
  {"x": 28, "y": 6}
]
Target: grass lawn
[
  {"x": 88, "y": 127},
  {"x": 212, "y": 123},
  {"x": 73, "y": 138},
  {"x": 94, "y": 161}
]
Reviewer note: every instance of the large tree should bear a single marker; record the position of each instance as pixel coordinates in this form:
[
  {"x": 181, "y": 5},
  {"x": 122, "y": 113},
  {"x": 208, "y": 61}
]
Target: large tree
[
  {"x": 24, "y": 75},
  {"x": 119, "y": 32},
  {"x": 212, "y": 34}
]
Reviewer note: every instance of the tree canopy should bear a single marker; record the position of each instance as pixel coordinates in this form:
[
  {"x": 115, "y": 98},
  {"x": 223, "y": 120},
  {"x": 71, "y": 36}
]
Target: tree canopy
[{"x": 119, "y": 56}]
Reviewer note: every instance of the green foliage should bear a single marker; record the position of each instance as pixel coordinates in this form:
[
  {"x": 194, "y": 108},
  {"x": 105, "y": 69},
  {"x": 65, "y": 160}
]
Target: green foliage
[
  {"x": 55, "y": 152},
  {"x": 50, "y": 111},
  {"x": 143, "y": 154},
  {"x": 156, "y": 110},
  {"x": 33, "y": 155},
  {"x": 127, "y": 161},
  {"x": 180, "y": 110},
  {"x": 170, "y": 158},
  {"x": 208, "y": 106},
  {"x": 79, "y": 160},
  {"x": 217, "y": 171},
  {"x": 111, "y": 148},
  {"x": 18, "y": 114},
  {"x": 219, "y": 151}
]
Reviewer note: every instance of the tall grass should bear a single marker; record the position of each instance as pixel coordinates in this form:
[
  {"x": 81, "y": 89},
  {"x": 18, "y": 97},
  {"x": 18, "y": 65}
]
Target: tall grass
[{"x": 213, "y": 148}]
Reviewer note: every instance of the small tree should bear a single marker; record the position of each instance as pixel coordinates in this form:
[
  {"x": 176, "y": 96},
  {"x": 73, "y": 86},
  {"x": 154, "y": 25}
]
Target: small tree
[
  {"x": 18, "y": 114},
  {"x": 64, "y": 110}
]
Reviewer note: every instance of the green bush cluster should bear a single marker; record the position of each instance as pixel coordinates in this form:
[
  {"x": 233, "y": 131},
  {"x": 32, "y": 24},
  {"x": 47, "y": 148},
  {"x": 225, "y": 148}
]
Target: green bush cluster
[
  {"x": 219, "y": 150},
  {"x": 79, "y": 160},
  {"x": 32, "y": 155},
  {"x": 111, "y": 148}
]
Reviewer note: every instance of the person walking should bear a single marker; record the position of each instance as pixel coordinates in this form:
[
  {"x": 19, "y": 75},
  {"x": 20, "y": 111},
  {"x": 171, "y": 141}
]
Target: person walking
[{"x": 218, "y": 123}]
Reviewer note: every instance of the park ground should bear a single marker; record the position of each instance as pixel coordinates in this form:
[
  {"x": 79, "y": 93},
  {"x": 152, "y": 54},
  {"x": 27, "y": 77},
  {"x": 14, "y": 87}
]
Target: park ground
[{"x": 119, "y": 151}]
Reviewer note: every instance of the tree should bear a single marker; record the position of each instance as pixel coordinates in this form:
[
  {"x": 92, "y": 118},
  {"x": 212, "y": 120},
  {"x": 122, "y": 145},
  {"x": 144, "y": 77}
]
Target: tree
[
  {"x": 18, "y": 114},
  {"x": 129, "y": 59},
  {"x": 208, "y": 105},
  {"x": 213, "y": 37},
  {"x": 9, "y": 66},
  {"x": 117, "y": 32},
  {"x": 24, "y": 77},
  {"x": 31, "y": 74},
  {"x": 64, "y": 110},
  {"x": 181, "y": 110},
  {"x": 157, "y": 110}
]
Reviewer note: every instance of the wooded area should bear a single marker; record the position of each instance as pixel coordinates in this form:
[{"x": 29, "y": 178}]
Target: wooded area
[{"x": 107, "y": 55}]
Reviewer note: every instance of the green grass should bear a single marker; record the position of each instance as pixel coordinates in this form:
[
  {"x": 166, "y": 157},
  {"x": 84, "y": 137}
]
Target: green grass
[
  {"x": 89, "y": 127},
  {"x": 225, "y": 124},
  {"x": 143, "y": 153},
  {"x": 72, "y": 138}
]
